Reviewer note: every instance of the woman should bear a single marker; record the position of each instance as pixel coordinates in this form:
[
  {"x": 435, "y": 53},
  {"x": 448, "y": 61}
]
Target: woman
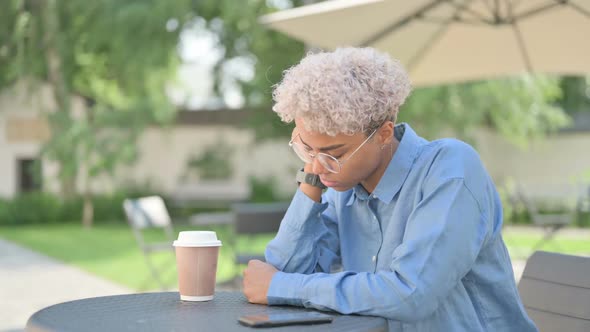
[{"x": 407, "y": 229}]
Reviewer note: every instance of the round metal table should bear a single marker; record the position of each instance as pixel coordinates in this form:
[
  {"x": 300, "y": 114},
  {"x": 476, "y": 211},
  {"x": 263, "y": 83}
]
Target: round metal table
[{"x": 165, "y": 312}]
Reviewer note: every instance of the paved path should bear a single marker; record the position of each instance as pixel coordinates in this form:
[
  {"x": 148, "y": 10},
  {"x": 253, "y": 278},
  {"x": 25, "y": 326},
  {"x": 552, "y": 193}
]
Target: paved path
[{"x": 30, "y": 281}]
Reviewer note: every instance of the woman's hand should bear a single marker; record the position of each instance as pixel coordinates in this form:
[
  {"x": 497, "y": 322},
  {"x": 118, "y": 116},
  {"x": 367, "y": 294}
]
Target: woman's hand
[
  {"x": 257, "y": 278},
  {"x": 312, "y": 192}
]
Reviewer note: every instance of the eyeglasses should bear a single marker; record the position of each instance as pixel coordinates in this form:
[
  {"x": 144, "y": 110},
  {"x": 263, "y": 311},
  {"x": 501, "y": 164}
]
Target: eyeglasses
[{"x": 329, "y": 162}]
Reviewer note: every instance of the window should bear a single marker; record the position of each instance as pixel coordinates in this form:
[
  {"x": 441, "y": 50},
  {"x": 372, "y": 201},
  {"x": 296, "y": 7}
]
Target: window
[{"x": 29, "y": 175}]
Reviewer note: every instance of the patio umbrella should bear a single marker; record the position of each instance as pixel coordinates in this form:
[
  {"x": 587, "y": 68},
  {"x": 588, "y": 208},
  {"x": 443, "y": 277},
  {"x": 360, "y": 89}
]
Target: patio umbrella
[{"x": 442, "y": 41}]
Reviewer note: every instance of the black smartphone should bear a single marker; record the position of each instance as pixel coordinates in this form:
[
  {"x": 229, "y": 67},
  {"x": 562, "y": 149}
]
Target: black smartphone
[{"x": 282, "y": 319}]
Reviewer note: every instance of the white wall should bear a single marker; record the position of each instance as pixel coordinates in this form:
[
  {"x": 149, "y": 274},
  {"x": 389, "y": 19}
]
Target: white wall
[
  {"x": 164, "y": 154},
  {"x": 551, "y": 167},
  {"x": 29, "y": 102},
  {"x": 557, "y": 165},
  {"x": 9, "y": 154},
  {"x": 16, "y": 102}
]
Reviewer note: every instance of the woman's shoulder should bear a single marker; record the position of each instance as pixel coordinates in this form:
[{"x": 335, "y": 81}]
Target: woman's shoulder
[{"x": 450, "y": 158}]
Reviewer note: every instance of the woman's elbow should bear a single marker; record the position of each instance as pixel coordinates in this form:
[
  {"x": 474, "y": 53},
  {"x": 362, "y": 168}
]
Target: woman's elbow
[{"x": 413, "y": 309}]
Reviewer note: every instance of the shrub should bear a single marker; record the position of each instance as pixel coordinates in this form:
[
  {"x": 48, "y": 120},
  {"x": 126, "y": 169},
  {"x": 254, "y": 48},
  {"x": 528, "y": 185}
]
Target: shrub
[
  {"x": 109, "y": 208},
  {"x": 583, "y": 219},
  {"x": 28, "y": 208},
  {"x": 4, "y": 213},
  {"x": 44, "y": 207},
  {"x": 71, "y": 209},
  {"x": 263, "y": 190}
]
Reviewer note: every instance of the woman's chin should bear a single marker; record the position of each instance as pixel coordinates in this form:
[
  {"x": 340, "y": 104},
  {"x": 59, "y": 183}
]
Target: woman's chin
[{"x": 339, "y": 187}]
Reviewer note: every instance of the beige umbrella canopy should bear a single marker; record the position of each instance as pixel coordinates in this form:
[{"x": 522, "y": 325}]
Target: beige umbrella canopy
[{"x": 442, "y": 41}]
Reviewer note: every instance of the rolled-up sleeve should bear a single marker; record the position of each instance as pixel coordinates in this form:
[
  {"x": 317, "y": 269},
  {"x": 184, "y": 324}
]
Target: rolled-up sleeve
[
  {"x": 442, "y": 239},
  {"x": 307, "y": 240}
]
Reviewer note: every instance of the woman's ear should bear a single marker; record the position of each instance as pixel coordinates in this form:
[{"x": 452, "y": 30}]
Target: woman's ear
[{"x": 386, "y": 132}]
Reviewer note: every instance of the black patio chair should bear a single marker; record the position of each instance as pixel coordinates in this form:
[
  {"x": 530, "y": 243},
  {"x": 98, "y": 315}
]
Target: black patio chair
[
  {"x": 251, "y": 220},
  {"x": 550, "y": 221}
]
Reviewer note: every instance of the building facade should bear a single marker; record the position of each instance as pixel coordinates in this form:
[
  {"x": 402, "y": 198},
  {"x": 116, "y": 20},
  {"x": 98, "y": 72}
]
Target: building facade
[{"x": 556, "y": 165}]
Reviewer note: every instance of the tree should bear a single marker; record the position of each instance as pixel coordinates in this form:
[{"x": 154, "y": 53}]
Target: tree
[
  {"x": 240, "y": 35},
  {"x": 116, "y": 55},
  {"x": 520, "y": 109},
  {"x": 576, "y": 94}
]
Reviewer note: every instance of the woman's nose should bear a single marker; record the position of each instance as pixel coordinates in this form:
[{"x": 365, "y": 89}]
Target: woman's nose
[{"x": 318, "y": 168}]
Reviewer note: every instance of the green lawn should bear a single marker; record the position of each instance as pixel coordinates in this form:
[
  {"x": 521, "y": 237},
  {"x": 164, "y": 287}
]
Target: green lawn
[
  {"x": 520, "y": 243},
  {"x": 110, "y": 251}
]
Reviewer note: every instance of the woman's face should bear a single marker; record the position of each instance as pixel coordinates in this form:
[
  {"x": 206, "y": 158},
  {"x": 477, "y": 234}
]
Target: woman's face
[{"x": 359, "y": 168}]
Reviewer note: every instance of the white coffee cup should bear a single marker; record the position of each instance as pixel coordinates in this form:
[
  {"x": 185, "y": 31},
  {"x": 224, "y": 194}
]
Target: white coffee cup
[
  {"x": 197, "y": 239},
  {"x": 197, "y": 253}
]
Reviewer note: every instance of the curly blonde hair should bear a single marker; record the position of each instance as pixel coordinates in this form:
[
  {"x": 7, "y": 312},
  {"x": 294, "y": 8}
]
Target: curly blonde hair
[{"x": 347, "y": 91}]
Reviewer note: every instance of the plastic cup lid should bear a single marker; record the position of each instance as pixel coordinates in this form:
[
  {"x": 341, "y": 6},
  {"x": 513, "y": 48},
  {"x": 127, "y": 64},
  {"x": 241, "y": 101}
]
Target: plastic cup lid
[{"x": 197, "y": 239}]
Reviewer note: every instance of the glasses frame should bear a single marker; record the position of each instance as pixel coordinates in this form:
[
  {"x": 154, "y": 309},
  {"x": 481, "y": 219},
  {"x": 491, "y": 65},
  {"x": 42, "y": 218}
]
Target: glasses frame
[{"x": 294, "y": 145}]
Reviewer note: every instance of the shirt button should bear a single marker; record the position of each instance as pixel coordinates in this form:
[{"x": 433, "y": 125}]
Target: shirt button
[{"x": 374, "y": 258}]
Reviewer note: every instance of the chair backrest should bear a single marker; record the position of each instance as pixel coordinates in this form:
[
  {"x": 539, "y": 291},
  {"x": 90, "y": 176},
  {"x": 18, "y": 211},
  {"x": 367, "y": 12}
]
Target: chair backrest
[
  {"x": 257, "y": 218},
  {"x": 561, "y": 217},
  {"x": 555, "y": 290},
  {"x": 147, "y": 212},
  {"x": 210, "y": 193}
]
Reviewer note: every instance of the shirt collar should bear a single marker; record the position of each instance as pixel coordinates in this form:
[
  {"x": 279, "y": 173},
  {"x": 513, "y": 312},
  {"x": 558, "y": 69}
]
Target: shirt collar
[{"x": 398, "y": 169}]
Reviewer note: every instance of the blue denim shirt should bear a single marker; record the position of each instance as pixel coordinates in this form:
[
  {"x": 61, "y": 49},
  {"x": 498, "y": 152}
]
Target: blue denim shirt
[{"x": 424, "y": 250}]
